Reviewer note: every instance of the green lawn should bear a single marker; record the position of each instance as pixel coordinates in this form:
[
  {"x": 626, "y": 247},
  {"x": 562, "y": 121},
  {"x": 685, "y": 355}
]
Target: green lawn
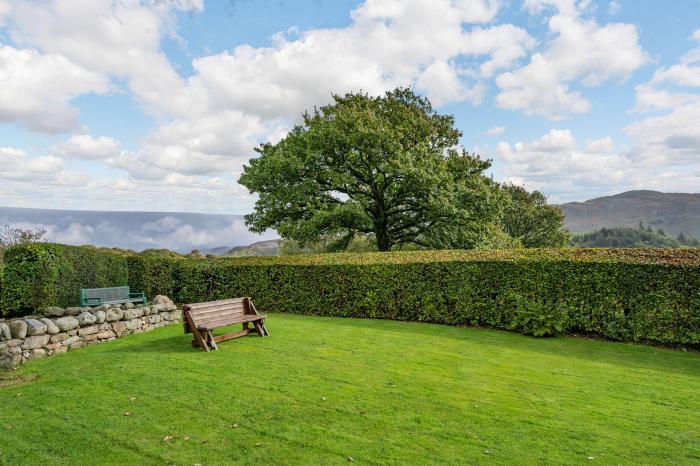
[{"x": 321, "y": 390}]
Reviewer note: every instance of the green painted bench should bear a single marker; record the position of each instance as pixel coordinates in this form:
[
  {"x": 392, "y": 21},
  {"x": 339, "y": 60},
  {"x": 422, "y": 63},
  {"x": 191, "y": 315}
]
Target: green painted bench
[{"x": 114, "y": 295}]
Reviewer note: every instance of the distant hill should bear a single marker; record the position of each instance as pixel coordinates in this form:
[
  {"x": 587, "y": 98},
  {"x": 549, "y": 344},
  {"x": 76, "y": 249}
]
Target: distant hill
[
  {"x": 675, "y": 213},
  {"x": 177, "y": 231},
  {"x": 261, "y": 248}
]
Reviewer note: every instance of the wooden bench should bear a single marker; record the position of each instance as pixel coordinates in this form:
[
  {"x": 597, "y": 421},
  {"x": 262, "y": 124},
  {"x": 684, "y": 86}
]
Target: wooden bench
[
  {"x": 202, "y": 318},
  {"x": 115, "y": 295}
]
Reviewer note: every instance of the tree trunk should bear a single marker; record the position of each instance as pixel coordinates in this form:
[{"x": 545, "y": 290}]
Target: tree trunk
[{"x": 383, "y": 243}]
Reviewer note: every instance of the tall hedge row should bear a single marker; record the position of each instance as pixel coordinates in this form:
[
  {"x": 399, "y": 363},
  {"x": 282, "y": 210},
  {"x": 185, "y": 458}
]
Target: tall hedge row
[
  {"x": 42, "y": 274},
  {"x": 630, "y": 295},
  {"x": 618, "y": 297}
]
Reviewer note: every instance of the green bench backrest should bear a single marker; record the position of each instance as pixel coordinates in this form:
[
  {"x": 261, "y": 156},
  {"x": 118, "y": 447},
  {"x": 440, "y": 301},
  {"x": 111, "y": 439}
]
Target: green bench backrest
[{"x": 107, "y": 294}]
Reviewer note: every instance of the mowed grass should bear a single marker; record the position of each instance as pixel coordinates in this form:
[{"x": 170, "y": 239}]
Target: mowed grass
[{"x": 324, "y": 390}]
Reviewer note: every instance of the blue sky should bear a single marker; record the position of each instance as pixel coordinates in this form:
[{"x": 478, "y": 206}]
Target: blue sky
[{"x": 157, "y": 104}]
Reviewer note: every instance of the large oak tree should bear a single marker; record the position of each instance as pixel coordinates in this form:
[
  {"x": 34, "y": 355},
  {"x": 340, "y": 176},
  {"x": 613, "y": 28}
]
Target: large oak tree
[{"x": 387, "y": 166}]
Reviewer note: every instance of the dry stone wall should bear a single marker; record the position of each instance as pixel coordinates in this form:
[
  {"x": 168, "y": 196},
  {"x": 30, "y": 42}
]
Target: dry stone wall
[{"x": 58, "y": 330}]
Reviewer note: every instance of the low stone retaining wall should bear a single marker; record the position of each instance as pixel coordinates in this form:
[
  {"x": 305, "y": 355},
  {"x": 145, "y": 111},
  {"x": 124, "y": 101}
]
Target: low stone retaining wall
[{"x": 59, "y": 330}]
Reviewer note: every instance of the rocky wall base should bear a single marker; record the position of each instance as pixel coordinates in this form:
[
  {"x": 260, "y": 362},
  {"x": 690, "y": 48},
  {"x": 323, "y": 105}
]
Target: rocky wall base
[{"x": 59, "y": 330}]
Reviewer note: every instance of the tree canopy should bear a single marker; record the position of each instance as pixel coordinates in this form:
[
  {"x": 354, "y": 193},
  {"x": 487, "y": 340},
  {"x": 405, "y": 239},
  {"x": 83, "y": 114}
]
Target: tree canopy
[
  {"x": 389, "y": 167},
  {"x": 529, "y": 219}
]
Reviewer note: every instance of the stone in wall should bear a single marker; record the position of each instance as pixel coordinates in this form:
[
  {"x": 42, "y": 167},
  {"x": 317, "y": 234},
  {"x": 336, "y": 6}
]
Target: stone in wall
[
  {"x": 18, "y": 328},
  {"x": 35, "y": 327},
  {"x": 58, "y": 330},
  {"x": 66, "y": 323}
]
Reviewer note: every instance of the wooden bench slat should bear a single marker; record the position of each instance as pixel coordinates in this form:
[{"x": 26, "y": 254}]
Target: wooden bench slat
[
  {"x": 214, "y": 320},
  {"x": 225, "y": 312},
  {"x": 215, "y": 303},
  {"x": 224, "y": 307},
  {"x": 224, "y": 322}
]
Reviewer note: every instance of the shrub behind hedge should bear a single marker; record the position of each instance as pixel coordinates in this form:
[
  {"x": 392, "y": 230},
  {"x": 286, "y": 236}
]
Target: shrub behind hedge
[{"x": 44, "y": 274}]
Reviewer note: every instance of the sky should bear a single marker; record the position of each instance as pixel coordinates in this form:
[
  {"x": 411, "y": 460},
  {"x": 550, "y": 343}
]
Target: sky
[{"x": 156, "y": 105}]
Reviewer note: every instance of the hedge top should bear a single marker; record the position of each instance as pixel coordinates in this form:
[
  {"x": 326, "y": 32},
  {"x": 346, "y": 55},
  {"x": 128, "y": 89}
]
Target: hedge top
[
  {"x": 653, "y": 256},
  {"x": 686, "y": 257}
]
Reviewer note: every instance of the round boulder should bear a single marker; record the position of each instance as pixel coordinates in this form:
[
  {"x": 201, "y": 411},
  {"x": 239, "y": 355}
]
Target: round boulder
[
  {"x": 53, "y": 311},
  {"x": 5, "y": 331},
  {"x": 18, "y": 329},
  {"x": 67, "y": 323},
  {"x": 86, "y": 318},
  {"x": 100, "y": 316},
  {"x": 35, "y": 327},
  {"x": 51, "y": 328},
  {"x": 113, "y": 314},
  {"x": 76, "y": 311}
]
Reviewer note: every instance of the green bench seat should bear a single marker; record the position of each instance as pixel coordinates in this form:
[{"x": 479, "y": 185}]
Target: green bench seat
[{"x": 114, "y": 295}]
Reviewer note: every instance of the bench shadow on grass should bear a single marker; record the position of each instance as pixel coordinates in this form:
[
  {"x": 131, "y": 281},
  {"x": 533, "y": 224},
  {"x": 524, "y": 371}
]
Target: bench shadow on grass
[{"x": 171, "y": 344}]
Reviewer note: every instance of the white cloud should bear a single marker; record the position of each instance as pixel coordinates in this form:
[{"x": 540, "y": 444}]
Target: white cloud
[
  {"x": 37, "y": 88},
  {"x": 614, "y": 7},
  {"x": 236, "y": 99},
  {"x": 15, "y": 164},
  {"x": 673, "y": 86},
  {"x": 581, "y": 52},
  {"x": 664, "y": 157},
  {"x": 603, "y": 145},
  {"x": 670, "y": 139},
  {"x": 556, "y": 165},
  {"x": 495, "y": 130},
  {"x": 85, "y": 146}
]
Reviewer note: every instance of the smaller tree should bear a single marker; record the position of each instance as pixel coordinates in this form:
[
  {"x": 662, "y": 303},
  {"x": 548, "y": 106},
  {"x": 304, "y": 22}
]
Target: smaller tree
[
  {"x": 529, "y": 219},
  {"x": 10, "y": 236}
]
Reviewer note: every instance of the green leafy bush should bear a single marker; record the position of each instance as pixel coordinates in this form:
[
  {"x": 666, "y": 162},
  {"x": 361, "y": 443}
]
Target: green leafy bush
[
  {"x": 538, "y": 318},
  {"x": 43, "y": 274}
]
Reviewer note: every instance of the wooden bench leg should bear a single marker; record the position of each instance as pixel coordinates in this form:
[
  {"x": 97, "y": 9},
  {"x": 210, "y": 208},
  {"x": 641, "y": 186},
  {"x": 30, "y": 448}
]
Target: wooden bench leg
[
  {"x": 260, "y": 327},
  {"x": 195, "y": 332},
  {"x": 210, "y": 340}
]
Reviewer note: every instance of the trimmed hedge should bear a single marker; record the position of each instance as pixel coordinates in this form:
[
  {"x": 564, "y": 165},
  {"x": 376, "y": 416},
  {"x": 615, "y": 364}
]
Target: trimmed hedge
[
  {"x": 628, "y": 295},
  {"x": 153, "y": 275},
  {"x": 622, "y": 294},
  {"x": 43, "y": 274}
]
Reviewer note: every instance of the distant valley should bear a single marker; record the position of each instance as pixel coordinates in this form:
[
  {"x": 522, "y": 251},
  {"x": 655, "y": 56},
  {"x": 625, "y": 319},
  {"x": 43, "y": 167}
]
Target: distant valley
[
  {"x": 181, "y": 232},
  {"x": 227, "y": 235},
  {"x": 674, "y": 213}
]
